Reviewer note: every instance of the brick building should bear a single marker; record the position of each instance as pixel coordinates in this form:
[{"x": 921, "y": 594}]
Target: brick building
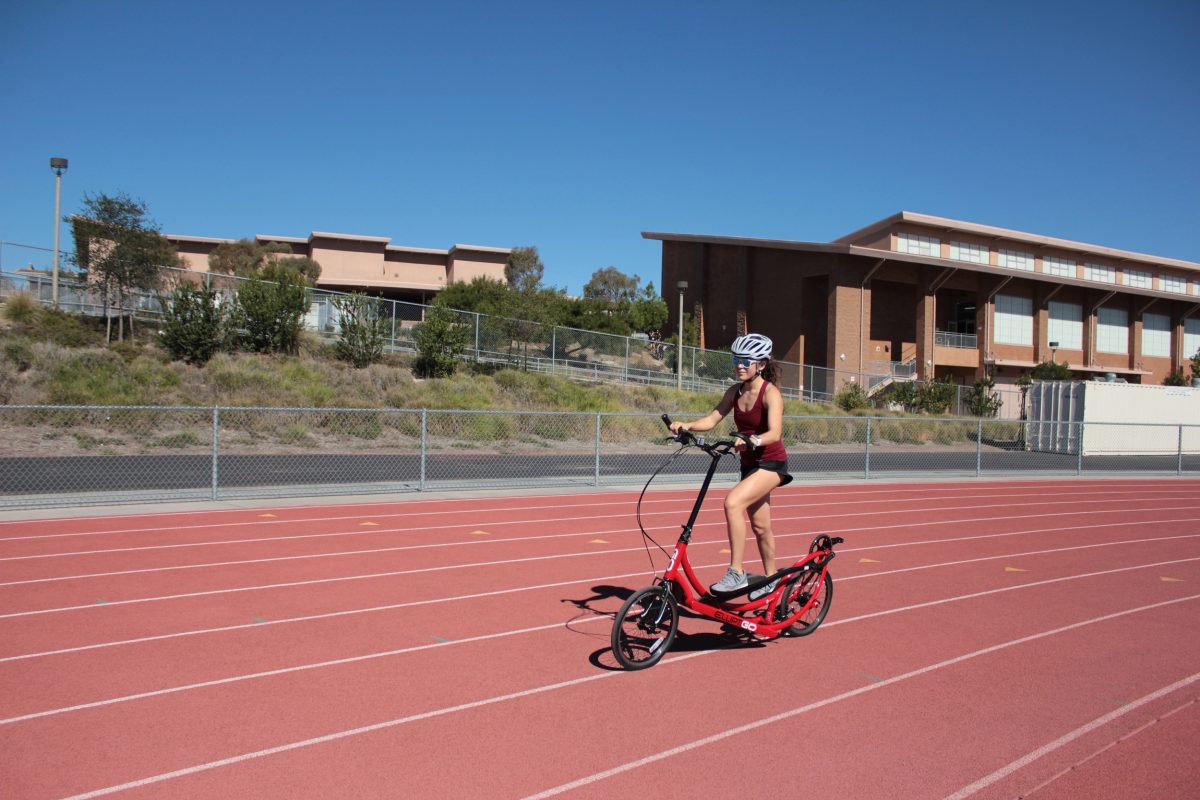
[{"x": 949, "y": 299}]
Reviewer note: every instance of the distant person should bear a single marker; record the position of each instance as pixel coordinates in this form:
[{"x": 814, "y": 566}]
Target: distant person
[{"x": 758, "y": 413}]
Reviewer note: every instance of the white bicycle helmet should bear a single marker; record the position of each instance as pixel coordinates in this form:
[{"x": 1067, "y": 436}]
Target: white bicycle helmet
[{"x": 752, "y": 345}]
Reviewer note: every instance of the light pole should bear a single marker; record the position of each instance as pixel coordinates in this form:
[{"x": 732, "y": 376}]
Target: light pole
[
  {"x": 59, "y": 165},
  {"x": 681, "y": 286}
]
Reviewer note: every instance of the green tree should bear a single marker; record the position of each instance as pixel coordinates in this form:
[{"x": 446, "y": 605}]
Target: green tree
[
  {"x": 649, "y": 312},
  {"x": 193, "y": 323},
  {"x": 269, "y": 311},
  {"x": 612, "y": 286},
  {"x": 247, "y": 258},
  {"x": 364, "y": 329},
  {"x": 440, "y": 343},
  {"x": 524, "y": 269},
  {"x": 1196, "y": 366},
  {"x": 1051, "y": 371},
  {"x": 483, "y": 295},
  {"x": 119, "y": 247},
  {"x": 244, "y": 258}
]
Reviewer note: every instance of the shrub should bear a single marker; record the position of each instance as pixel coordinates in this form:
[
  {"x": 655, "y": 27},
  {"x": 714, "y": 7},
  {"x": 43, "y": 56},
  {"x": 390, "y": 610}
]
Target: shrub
[
  {"x": 22, "y": 308},
  {"x": 440, "y": 342},
  {"x": 269, "y": 314},
  {"x": 363, "y": 329},
  {"x": 1176, "y": 378},
  {"x": 851, "y": 397},
  {"x": 936, "y": 397},
  {"x": 982, "y": 400},
  {"x": 192, "y": 331}
]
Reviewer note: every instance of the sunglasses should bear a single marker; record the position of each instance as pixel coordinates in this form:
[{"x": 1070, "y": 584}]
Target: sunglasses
[{"x": 744, "y": 362}]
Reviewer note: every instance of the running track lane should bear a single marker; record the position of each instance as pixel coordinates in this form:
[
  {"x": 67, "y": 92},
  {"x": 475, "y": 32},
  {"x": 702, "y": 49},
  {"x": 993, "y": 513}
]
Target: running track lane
[{"x": 552, "y": 662}]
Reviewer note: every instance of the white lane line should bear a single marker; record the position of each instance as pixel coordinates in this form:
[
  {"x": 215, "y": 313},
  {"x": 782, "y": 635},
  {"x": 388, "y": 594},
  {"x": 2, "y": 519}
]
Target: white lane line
[
  {"x": 810, "y": 515},
  {"x": 503, "y": 634},
  {"x": 442, "y": 568},
  {"x": 787, "y": 500},
  {"x": 1083, "y": 730},
  {"x": 624, "y": 530},
  {"x": 726, "y": 734},
  {"x": 153, "y": 779}
]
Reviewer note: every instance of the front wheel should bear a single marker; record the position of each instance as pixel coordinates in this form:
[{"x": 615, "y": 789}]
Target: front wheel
[
  {"x": 797, "y": 594},
  {"x": 645, "y": 627}
]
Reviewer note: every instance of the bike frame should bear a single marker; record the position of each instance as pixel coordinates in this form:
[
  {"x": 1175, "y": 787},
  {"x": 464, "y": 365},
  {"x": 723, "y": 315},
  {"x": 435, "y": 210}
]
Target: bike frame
[{"x": 691, "y": 594}]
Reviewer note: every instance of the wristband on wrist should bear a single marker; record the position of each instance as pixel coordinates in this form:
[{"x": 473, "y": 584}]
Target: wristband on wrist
[{"x": 756, "y": 441}]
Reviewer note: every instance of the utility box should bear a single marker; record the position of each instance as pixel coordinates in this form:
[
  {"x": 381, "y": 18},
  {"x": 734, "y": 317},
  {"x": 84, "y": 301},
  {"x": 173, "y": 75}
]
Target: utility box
[{"x": 1109, "y": 418}]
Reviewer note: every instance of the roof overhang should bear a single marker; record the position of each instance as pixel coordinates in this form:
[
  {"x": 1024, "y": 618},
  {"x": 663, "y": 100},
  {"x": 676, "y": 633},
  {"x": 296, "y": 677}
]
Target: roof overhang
[{"x": 841, "y": 248}]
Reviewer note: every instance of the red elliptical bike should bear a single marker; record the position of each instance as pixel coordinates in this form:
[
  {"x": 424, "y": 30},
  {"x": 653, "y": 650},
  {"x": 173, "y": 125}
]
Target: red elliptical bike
[{"x": 645, "y": 627}]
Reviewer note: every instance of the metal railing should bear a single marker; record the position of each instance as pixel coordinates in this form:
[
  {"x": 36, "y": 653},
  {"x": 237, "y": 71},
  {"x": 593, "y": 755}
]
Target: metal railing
[
  {"x": 965, "y": 341},
  {"x": 534, "y": 346},
  {"x": 89, "y": 455}
]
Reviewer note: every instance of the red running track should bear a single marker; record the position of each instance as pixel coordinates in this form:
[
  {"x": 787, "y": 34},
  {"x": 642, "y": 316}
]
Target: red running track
[{"x": 986, "y": 640}]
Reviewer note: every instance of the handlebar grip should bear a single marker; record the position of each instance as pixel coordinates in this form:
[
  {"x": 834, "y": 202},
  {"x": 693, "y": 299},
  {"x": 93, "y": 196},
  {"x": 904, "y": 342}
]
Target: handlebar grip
[{"x": 666, "y": 421}]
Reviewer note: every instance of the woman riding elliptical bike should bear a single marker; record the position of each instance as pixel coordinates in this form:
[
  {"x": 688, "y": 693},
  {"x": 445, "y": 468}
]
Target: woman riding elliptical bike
[{"x": 758, "y": 413}]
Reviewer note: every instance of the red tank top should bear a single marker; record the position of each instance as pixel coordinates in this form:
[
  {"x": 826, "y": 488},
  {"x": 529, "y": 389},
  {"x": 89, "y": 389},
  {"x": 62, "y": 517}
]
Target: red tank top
[{"x": 754, "y": 422}]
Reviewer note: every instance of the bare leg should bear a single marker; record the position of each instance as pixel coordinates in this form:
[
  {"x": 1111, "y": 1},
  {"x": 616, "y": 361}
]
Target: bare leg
[
  {"x": 760, "y": 522},
  {"x": 749, "y": 493}
]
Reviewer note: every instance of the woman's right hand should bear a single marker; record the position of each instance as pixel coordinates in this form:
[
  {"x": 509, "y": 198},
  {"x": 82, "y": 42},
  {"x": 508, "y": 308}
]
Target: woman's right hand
[{"x": 676, "y": 427}]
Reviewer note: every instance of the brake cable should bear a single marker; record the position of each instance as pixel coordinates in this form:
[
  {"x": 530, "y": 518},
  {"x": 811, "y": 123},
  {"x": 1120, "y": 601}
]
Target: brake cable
[{"x": 647, "y": 539}]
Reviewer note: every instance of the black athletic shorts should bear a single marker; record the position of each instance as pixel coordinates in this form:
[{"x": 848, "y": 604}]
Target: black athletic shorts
[{"x": 773, "y": 466}]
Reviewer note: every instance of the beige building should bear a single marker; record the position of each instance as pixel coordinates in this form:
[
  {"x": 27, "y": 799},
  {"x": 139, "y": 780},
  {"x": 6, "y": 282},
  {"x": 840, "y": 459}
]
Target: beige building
[
  {"x": 944, "y": 297},
  {"x": 370, "y": 263}
]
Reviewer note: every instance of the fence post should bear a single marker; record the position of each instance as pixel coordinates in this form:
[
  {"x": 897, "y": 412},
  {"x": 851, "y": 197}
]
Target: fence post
[
  {"x": 867, "y": 453},
  {"x": 476, "y": 335},
  {"x": 597, "y": 473},
  {"x": 553, "y": 347},
  {"x": 424, "y": 439},
  {"x": 1179, "y": 466},
  {"x": 1079, "y": 463},
  {"x": 979, "y": 448},
  {"x": 216, "y": 438}
]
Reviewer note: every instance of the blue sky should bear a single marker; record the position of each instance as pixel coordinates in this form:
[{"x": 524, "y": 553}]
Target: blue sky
[{"x": 575, "y": 126}]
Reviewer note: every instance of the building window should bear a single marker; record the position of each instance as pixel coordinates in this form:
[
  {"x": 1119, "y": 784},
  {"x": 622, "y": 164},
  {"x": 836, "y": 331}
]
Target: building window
[
  {"x": 1156, "y": 335},
  {"x": 1138, "y": 279},
  {"x": 1112, "y": 330},
  {"x": 1196, "y": 287},
  {"x": 918, "y": 245},
  {"x": 1191, "y": 337},
  {"x": 1066, "y": 325},
  {"x": 975, "y": 253},
  {"x": 1063, "y": 267},
  {"x": 1014, "y": 259},
  {"x": 1099, "y": 273},
  {"x": 1014, "y": 320},
  {"x": 1173, "y": 283}
]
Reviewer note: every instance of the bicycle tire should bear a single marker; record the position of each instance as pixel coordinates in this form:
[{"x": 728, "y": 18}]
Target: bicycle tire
[
  {"x": 796, "y": 595},
  {"x": 645, "y": 627}
]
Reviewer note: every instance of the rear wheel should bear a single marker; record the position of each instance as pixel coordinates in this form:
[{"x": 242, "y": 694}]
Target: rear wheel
[
  {"x": 796, "y": 595},
  {"x": 645, "y": 627}
]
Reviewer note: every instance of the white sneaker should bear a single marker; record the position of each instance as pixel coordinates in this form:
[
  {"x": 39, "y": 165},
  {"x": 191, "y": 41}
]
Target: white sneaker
[
  {"x": 763, "y": 591},
  {"x": 732, "y": 580}
]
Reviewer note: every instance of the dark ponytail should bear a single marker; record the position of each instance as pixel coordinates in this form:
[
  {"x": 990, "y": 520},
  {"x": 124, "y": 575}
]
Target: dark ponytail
[{"x": 768, "y": 371}]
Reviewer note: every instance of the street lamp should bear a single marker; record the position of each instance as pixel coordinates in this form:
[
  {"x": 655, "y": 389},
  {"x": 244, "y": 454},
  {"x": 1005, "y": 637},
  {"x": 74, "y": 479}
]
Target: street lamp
[
  {"x": 59, "y": 165},
  {"x": 1053, "y": 351},
  {"x": 681, "y": 286}
]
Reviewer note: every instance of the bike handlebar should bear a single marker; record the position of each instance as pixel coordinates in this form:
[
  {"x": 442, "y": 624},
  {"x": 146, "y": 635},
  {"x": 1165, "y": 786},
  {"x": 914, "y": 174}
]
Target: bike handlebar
[{"x": 719, "y": 448}]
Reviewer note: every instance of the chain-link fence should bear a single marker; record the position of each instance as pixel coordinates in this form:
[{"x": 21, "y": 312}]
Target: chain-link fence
[{"x": 81, "y": 455}]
